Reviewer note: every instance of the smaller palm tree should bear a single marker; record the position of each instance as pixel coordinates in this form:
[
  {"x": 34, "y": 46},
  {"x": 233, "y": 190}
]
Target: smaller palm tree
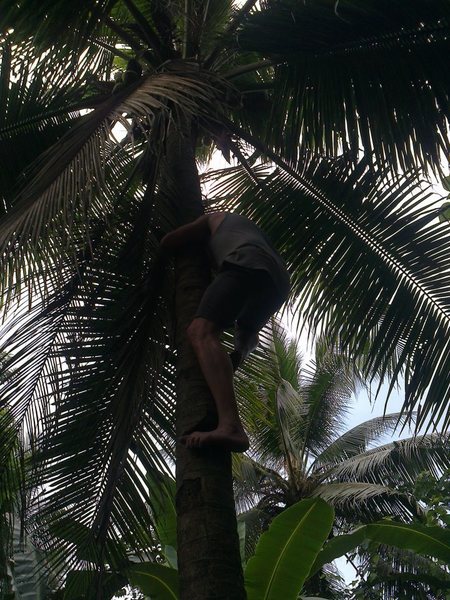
[{"x": 295, "y": 416}]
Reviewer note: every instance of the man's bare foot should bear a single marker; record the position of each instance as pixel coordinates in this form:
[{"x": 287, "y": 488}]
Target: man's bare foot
[{"x": 234, "y": 440}]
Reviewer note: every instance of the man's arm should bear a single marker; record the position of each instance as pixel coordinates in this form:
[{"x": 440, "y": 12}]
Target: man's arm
[
  {"x": 192, "y": 233},
  {"x": 196, "y": 232}
]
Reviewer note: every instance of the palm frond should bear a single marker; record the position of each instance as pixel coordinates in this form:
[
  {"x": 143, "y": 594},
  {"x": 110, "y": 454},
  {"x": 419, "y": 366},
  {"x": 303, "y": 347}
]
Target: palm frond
[
  {"x": 363, "y": 484},
  {"x": 368, "y": 261},
  {"x": 254, "y": 481},
  {"x": 14, "y": 468},
  {"x": 203, "y": 26},
  {"x": 271, "y": 403},
  {"x": 366, "y": 74},
  {"x": 358, "y": 439},
  {"x": 39, "y": 102},
  {"x": 400, "y": 461},
  {"x": 397, "y": 573},
  {"x": 328, "y": 384},
  {"x": 367, "y": 501},
  {"x": 45, "y": 22},
  {"x": 239, "y": 15},
  {"x": 98, "y": 390},
  {"x": 67, "y": 184}
]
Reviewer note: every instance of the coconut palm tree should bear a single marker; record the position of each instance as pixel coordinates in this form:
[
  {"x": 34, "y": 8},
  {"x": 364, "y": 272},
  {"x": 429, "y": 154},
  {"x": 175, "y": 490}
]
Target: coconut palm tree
[
  {"x": 300, "y": 446},
  {"x": 95, "y": 320}
]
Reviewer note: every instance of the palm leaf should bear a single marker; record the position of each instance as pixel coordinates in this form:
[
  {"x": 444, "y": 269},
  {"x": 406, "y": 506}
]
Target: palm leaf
[
  {"x": 162, "y": 493},
  {"x": 267, "y": 390},
  {"x": 358, "y": 439},
  {"x": 205, "y": 25},
  {"x": 68, "y": 182},
  {"x": 368, "y": 262},
  {"x": 102, "y": 338},
  {"x": 362, "y": 74},
  {"x": 370, "y": 478},
  {"x": 39, "y": 102},
  {"x": 403, "y": 460},
  {"x": 328, "y": 386},
  {"x": 367, "y": 501},
  {"x": 79, "y": 583},
  {"x": 398, "y": 572},
  {"x": 45, "y": 22},
  {"x": 254, "y": 481}
]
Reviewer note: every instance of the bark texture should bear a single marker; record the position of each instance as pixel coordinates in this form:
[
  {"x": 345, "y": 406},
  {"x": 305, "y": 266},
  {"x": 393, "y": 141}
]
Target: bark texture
[{"x": 208, "y": 544}]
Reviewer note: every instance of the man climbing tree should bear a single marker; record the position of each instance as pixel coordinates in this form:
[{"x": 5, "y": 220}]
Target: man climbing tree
[{"x": 251, "y": 284}]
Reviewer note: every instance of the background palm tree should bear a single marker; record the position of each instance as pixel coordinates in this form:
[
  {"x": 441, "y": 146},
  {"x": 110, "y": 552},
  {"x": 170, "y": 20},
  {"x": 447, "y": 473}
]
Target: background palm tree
[
  {"x": 296, "y": 416},
  {"x": 90, "y": 330}
]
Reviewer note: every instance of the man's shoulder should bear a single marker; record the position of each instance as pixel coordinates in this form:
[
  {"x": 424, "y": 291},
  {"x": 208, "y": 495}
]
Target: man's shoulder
[
  {"x": 233, "y": 219},
  {"x": 215, "y": 219}
]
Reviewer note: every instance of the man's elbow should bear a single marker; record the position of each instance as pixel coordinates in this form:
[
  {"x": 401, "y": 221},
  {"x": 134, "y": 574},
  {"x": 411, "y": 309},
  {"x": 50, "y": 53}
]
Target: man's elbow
[{"x": 167, "y": 244}]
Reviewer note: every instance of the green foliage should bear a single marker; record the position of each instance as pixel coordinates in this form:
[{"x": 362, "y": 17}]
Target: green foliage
[
  {"x": 284, "y": 401},
  {"x": 285, "y": 553},
  {"x": 445, "y": 181},
  {"x": 162, "y": 501},
  {"x": 308, "y": 230},
  {"x": 295, "y": 547},
  {"x": 429, "y": 541},
  {"x": 317, "y": 46},
  {"x": 444, "y": 213},
  {"x": 434, "y": 492},
  {"x": 157, "y": 581},
  {"x": 398, "y": 573},
  {"x": 295, "y": 414},
  {"x": 81, "y": 585}
]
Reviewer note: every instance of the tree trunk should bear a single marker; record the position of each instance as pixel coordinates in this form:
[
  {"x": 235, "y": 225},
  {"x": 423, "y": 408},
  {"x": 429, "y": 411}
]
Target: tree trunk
[{"x": 208, "y": 545}]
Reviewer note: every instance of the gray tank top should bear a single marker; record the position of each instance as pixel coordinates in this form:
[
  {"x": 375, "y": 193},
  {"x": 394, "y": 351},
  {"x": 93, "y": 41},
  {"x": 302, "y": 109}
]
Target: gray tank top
[{"x": 238, "y": 241}]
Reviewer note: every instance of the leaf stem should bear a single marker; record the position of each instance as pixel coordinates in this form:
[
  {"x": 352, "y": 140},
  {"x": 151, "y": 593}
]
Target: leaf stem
[
  {"x": 234, "y": 24},
  {"x": 187, "y": 41},
  {"x": 262, "y": 64}
]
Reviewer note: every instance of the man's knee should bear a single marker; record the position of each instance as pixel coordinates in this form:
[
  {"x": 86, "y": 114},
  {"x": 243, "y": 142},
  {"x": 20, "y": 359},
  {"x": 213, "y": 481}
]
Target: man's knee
[{"x": 200, "y": 331}]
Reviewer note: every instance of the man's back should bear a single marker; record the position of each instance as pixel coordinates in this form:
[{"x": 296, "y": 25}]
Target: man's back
[{"x": 238, "y": 241}]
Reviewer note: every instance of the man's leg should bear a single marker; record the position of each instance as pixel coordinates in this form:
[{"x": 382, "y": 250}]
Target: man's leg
[
  {"x": 204, "y": 336},
  {"x": 263, "y": 302}
]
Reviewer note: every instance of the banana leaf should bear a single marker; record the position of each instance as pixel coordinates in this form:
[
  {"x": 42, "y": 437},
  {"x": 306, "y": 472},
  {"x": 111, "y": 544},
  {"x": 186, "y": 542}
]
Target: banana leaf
[{"x": 285, "y": 553}]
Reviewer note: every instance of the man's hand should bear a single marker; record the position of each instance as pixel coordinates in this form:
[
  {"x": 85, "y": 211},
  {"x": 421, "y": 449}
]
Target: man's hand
[{"x": 197, "y": 232}]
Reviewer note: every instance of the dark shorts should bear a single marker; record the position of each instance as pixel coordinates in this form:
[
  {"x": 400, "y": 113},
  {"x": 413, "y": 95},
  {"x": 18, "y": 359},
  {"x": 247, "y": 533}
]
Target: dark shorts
[{"x": 246, "y": 296}]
